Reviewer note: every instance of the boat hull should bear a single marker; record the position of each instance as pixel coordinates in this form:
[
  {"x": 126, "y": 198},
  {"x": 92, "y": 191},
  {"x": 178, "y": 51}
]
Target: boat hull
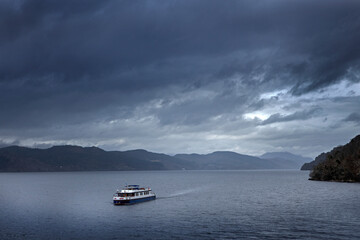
[{"x": 133, "y": 201}]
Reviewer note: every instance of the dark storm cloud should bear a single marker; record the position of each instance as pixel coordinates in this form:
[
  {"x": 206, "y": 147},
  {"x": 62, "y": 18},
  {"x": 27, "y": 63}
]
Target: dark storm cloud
[
  {"x": 93, "y": 39},
  {"x": 70, "y": 63}
]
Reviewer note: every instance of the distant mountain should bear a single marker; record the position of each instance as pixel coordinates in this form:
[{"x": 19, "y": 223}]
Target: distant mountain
[
  {"x": 230, "y": 160},
  {"x": 341, "y": 164},
  {"x": 286, "y": 159},
  {"x": 319, "y": 159},
  {"x": 75, "y": 158}
]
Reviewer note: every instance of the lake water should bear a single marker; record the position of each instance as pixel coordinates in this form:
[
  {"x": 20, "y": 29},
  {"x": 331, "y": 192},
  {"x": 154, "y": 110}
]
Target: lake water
[{"x": 190, "y": 205}]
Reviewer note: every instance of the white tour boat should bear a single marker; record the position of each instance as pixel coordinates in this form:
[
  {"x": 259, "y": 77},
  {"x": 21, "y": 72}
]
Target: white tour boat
[{"x": 133, "y": 194}]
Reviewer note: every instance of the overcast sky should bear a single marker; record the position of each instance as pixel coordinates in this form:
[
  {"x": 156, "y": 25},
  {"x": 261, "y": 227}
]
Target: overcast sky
[{"x": 180, "y": 76}]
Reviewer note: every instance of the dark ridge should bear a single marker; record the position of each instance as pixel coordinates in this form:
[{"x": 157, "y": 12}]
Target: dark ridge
[
  {"x": 310, "y": 166},
  {"x": 342, "y": 164}
]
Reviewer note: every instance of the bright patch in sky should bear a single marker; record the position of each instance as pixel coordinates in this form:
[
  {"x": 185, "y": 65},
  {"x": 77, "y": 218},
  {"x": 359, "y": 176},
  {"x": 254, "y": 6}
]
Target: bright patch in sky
[{"x": 256, "y": 115}]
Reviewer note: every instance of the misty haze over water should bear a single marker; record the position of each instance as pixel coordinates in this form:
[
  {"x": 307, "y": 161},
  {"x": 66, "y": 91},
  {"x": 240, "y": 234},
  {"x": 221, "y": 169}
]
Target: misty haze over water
[{"x": 190, "y": 205}]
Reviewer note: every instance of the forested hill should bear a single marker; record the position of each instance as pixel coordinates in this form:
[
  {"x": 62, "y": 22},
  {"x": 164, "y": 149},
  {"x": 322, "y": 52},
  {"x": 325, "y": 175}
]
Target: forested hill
[
  {"x": 75, "y": 158},
  {"x": 310, "y": 165},
  {"x": 341, "y": 164}
]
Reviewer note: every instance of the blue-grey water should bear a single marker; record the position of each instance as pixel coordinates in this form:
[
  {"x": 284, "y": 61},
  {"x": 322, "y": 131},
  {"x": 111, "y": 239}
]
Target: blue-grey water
[{"x": 190, "y": 205}]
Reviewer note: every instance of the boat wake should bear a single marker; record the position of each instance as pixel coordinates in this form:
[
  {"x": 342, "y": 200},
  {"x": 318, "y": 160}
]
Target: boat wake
[{"x": 181, "y": 193}]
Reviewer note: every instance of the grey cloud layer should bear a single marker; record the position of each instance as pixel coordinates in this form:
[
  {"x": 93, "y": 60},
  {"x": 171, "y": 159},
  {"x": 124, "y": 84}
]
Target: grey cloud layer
[
  {"x": 353, "y": 117},
  {"x": 67, "y": 63}
]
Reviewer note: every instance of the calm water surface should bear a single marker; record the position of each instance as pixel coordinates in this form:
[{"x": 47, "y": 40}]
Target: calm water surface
[{"x": 190, "y": 205}]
